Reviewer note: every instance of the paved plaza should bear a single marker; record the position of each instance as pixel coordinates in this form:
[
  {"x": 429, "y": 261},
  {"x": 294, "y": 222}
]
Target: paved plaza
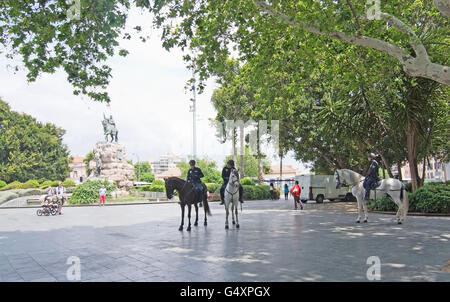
[{"x": 274, "y": 243}]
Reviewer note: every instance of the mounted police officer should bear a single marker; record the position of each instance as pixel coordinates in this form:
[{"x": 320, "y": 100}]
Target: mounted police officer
[
  {"x": 372, "y": 175},
  {"x": 194, "y": 176},
  {"x": 226, "y": 171}
]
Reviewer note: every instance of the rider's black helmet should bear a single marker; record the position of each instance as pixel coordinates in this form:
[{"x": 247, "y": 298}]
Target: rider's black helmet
[
  {"x": 231, "y": 162},
  {"x": 371, "y": 155},
  {"x": 192, "y": 162}
]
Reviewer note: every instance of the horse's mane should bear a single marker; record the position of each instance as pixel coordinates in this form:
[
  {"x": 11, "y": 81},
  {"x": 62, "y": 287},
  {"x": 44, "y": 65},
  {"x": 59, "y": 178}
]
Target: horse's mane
[{"x": 354, "y": 175}]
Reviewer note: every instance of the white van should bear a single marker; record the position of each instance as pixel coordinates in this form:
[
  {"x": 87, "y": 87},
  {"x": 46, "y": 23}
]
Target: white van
[{"x": 320, "y": 187}]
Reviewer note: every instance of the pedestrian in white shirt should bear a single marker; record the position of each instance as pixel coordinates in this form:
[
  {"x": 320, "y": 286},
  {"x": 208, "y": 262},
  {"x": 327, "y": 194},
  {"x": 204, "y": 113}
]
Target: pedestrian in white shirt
[
  {"x": 102, "y": 193},
  {"x": 60, "y": 195}
]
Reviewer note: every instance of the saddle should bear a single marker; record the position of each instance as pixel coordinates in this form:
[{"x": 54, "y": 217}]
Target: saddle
[{"x": 376, "y": 184}]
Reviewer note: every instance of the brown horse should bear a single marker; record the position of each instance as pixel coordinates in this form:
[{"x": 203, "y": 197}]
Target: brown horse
[{"x": 187, "y": 196}]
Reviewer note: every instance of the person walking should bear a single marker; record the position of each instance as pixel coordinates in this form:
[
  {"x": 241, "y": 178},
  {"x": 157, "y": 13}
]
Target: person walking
[
  {"x": 102, "y": 195},
  {"x": 286, "y": 192},
  {"x": 296, "y": 191},
  {"x": 60, "y": 195},
  {"x": 272, "y": 191}
]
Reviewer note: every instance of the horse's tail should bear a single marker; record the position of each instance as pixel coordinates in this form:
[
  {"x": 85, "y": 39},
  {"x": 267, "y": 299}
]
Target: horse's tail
[
  {"x": 405, "y": 202},
  {"x": 206, "y": 205},
  {"x": 205, "y": 201}
]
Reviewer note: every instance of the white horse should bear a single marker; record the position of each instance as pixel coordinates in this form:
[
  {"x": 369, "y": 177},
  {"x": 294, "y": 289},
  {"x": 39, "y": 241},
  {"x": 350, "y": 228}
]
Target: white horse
[
  {"x": 231, "y": 197},
  {"x": 392, "y": 188}
]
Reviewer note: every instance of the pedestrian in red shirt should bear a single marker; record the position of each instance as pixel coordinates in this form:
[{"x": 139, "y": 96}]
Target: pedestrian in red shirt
[{"x": 295, "y": 191}]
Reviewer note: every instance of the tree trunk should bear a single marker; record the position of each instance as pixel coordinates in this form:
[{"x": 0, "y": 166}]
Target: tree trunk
[
  {"x": 234, "y": 145},
  {"x": 411, "y": 144},
  {"x": 281, "y": 168},
  {"x": 399, "y": 169},
  {"x": 386, "y": 164},
  {"x": 258, "y": 150},
  {"x": 242, "y": 151}
]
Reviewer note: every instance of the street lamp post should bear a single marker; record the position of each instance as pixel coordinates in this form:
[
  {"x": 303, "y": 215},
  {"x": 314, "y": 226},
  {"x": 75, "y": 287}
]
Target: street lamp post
[
  {"x": 194, "y": 121},
  {"x": 139, "y": 167}
]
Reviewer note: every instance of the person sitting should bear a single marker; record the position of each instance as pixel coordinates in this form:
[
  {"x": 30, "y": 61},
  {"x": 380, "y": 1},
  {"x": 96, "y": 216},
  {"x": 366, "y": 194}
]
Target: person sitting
[
  {"x": 372, "y": 175},
  {"x": 49, "y": 195},
  {"x": 226, "y": 171},
  {"x": 194, "y": 176}
]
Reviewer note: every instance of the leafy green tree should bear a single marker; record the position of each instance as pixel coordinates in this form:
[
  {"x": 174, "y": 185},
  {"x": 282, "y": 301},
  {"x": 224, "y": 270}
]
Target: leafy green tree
[
  {"x": 209, "y": 168},
  {"x": 141, "y": 168},
  {"x": 87, "y": 159},
  {"x": 30, "y": 149}
]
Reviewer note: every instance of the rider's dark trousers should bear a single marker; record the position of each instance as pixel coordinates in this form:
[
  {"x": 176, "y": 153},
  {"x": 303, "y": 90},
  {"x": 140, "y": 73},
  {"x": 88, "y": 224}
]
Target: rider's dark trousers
[
  {"x": 222, "y": 191},
  {"x": 198, "y": 191},
  {"x": 368, "y": 184}
]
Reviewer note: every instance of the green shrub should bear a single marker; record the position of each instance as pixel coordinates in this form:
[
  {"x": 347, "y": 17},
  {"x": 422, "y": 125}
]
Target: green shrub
[
  {"x": 12, "y": 186},
  {"x": 213, "y": 187},
  {"x": 87, "y": 192},
  {"x": 253, "y": 192},
  {"x": 143, "y": 188},
  {"x": 408, "y": 187},
  {"x": 431, "y": 198},
  {"x": 147, "y": 177},
  {"x": 68, "y": 183},
  {"x": 31, "y": 184},
  {"x": 2, "y": 184},
  {"x": 382, "y": 204},
  {"x": 157, "y": 188},
  {"x": 247, "y": 181},
  {"x": 158, "y": 182}
]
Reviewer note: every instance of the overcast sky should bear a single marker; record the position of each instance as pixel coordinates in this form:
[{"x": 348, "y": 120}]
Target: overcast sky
[{"x": 149, "y": 104}]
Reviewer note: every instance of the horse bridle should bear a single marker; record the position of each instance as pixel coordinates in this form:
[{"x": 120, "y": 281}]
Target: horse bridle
[{"x": 233, "y": 182}]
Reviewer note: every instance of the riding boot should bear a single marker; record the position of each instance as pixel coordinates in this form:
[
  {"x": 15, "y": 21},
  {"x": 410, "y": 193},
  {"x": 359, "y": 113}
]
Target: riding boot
[
  {"x": 367, "y": 195},
  {"x": 222, "y": 198},
  {"x": 240, "y": 194}
]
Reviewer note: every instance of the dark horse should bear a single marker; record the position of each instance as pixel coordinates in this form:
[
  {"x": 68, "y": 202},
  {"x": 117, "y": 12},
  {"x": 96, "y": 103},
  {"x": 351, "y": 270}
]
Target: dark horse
[{"x": 187, "y": 197}]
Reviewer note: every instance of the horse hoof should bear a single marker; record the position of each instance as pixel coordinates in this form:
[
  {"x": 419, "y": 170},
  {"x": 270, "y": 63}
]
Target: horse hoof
[
  {"x": 196, "y": 224},
  {"x": 188, "y": 229},
  {"x": 237, "y": 226},
  {"x": 234, "y": 223},
  {"x": 357, "y": 221},
  {"x": 399, "y": 222},
  {"x": 226, "y": 227},
  {"x": 205, "y": 223},
  {"x": 180, "y": 228},
  {"x": 365, "y": 221}
]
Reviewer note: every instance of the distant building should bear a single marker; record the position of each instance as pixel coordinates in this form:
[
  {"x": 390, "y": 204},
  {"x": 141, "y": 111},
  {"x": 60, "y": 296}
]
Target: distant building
[
  {"x": 77, "y": 170},
  {"x": 288, "y": 173},
  {"x": 166, "y": 166},
  {"x": 435, "y": 170}
]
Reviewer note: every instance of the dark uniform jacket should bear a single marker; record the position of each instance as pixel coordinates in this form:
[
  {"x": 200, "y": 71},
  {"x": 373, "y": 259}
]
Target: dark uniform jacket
[
  {"x": 194, "y": 175},
  {"x": 373, "y": 170},
  {"x": 226, "y": 174}
]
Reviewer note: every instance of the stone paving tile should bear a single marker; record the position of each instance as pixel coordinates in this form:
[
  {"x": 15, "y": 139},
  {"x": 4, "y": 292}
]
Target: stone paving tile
[{"x": 275, "y": 243}]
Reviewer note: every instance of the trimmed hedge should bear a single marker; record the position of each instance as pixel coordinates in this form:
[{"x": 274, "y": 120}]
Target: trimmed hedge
[
  {"x": 430, "y": 198},
  {"x": 213, "y": 187},
  {"x": 158, "y": 182},
  {"x": 247, "y": 181},
  {"x": 47, "y": 183},
  {"x": 87, "y": 192},
  {"x": 152, "y": 188},
  {"x": 252, "y": 192},
  {"x": 68, "y": 183},
  {"x": 2, "y": 184}
]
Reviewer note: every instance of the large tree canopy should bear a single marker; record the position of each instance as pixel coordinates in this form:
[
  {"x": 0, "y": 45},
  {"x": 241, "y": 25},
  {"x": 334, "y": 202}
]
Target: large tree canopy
[
  {"x": 47, "y": 37},
  {"x": 30, "y": 149}
]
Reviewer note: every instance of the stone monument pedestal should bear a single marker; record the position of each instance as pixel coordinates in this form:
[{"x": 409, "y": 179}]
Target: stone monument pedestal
[{"x": 110, "y": 161}]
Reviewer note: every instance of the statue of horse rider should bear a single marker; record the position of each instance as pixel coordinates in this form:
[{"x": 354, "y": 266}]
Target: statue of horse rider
[
  {"x": 226, "y": 171},
  {"x": 372, "y": 178},
  {"x": 194, "y": 176}
]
